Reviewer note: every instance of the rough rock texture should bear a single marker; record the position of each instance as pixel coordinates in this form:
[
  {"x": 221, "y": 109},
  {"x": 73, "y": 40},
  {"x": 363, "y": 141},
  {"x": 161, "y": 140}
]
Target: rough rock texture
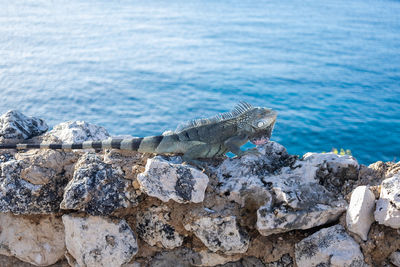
[
  {"x": 153, "y": 226},
  {"x": 15, "y": 125},
  {"x": 359, "y": 216},
  {"x": 97, "y": 188},
  {"x": 35, "y": 194},
  {"x": 395, "y": 258},
  {"x": 220, "y": 233},
  {"x": 243, "y": 211},
  {"x": 96, "y": 241},
  {"x": 330, "y": 246},
  {"x": 167, "y": 180},
  {"x": 388, "y": 205},
  {"x": 38, "y": 240},
  {"x": 288, "y": 189},
  {"x": 76, "y": 131}
]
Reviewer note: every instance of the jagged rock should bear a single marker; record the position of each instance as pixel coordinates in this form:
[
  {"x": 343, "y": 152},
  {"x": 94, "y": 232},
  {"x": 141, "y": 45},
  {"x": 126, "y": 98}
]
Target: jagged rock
[
  {"x": 219, "y": 233},
  {"x": 330, "y": 246},
  {"x": 287, "y": 190},
  {"x": 15, "y": 125},
  {"x": 76, "y": 132},
  {"x": 184, "y": 257},
  {"x": 38, "y": 240},
  {"x": 388, "y": 205},
  {"x": 153, "y": 227},
  {"x": 167, "y": 180},
  {"x": 395, "y": 258},
  {"x": 96, "y": 241},
  {"x": 30, "y": 196},
  {"x": 246, "y": 262},
  {"x": 285, "y": 261},
  {"x": 360, "y": 214},
  {"x": 97, "y": 188}
]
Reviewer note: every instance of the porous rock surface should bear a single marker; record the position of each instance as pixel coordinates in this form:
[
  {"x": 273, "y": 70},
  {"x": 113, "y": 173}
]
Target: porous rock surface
[
  {"x": 359, "y": 216},
  {"x": 95, "y": 241},
  {"x": 122, "y": 208},
  {"x": 388, "y": 205},
  {"x": 330, "y": 246},
  {"x": 167, "y": 180},
  {"x": 15, "y": 125}
]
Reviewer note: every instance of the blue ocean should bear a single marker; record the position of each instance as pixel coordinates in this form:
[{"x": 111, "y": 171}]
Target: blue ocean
[{"x": 330, "y": 68}]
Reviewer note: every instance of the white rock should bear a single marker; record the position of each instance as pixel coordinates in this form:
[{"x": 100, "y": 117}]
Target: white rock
[
  {"x": 220, "y": 234},
  {"x": 77, "y": 131},
  {"x": 388, "y": 205},
  {"x": 154, "y": 227},
  {"x": 15, "y": 125},
  {"x": 167, "y": 180},
  {"x": 97, "y": 241},
  {"x": 39, "y": 241},
  {"x": 395, "y": 258},
  {"x": 329, "y": 247},
  {"x": 360, "y": 213}
]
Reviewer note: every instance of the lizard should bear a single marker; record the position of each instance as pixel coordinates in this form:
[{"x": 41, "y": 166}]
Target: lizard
[{"x": 201, "y": 138}]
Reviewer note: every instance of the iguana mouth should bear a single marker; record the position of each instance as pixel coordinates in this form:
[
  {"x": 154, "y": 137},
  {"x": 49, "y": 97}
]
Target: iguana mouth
[{"x": 259, "y": 141}]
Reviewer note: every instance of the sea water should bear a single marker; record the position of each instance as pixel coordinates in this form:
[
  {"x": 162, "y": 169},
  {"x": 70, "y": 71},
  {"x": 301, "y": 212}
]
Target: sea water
[{"x": 330, "y": 68}]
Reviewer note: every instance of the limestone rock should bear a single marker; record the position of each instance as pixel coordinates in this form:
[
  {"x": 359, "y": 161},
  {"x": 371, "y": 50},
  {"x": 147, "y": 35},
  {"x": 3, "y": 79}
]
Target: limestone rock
[
  {"x": 96, "y": 241},
  {"x": 220, "y": 233},
  {"x": 359, "y": 216},
  {"x": 30, "y": 196},
  {"x": 388, "y": 205},
  {"x": 38, "y": 240},
  {"x": 167, "y": 180},
  {"x": 153, "y": 227},
  {"x": 395, "y": 258},
  {"x": 286, "y": 189},
  {"x": 97, "y": 188},
  {"x": 330, "y": 246},
  {"x": 15, "y": 125},
  {"x": 76, "y": 132}
]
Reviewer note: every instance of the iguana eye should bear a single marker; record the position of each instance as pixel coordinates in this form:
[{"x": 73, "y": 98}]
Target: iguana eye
[{"x": 260, "y": 124}]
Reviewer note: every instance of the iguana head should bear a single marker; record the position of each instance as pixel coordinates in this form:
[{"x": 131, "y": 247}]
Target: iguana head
[{"x": 260, "y": 123}]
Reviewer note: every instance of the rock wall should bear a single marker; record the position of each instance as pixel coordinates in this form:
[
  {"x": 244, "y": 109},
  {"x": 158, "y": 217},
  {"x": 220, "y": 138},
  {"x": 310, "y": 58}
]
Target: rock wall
[{"x": 118, "y": 208}]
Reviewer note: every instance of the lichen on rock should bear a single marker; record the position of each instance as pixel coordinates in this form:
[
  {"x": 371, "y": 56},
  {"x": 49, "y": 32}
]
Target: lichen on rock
[
  {"x": 97, "y": 188},
  {"x": 95, "y": 241},
  {"x": 167, "y": 180},
  {"x": 153, "y": 226},
  {"x": 15, "y": 125},
  {"x": 330, "y": 246}
]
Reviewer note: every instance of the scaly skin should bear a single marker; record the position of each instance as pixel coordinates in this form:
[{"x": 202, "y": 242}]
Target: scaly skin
[{"x": 205, "y": 138}]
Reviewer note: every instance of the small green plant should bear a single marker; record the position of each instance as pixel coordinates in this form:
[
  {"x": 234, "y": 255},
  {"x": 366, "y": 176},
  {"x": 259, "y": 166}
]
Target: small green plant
[{"x": 341, "y": 151}]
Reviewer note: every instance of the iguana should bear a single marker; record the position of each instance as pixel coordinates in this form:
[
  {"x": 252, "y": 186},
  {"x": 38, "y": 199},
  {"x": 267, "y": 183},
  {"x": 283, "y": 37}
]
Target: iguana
[{"x": 202, "y": 138}]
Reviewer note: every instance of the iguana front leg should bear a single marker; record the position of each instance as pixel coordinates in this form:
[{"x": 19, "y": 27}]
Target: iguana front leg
[{"x": 234, "y": 143}]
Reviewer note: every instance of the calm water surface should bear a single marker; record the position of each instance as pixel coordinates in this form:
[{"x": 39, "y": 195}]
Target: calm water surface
[{"x": 330, "y": 68}]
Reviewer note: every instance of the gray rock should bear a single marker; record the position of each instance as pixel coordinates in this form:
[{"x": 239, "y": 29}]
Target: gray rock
[
  {"x": 96, "y": 241},
  {"x": 39, "y": 242},
  {"x": 220, "y": 233},
  {"x": 75, "y": 132},
  {"x": 154, "y": 227},
  {"x": 287, "y": 190},
  {"x": 167, "y": 180},
  {"x": 285, "y": 261},
  {"x": 246, "y": 262},
  {"x": 97, "y": 188},
  {"x": 15, "y": 125},
  {"x": 395, "y": 258},
  {"x": 388, "y": 205},
  {"x": 20, "y": 196},
  {"x": 330, "y": 246},
  {"x": 360, "y": 214}
]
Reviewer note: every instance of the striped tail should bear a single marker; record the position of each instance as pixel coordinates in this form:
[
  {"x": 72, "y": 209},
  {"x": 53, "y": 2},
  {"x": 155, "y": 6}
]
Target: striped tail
[{"x": 141, "y": 144}]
